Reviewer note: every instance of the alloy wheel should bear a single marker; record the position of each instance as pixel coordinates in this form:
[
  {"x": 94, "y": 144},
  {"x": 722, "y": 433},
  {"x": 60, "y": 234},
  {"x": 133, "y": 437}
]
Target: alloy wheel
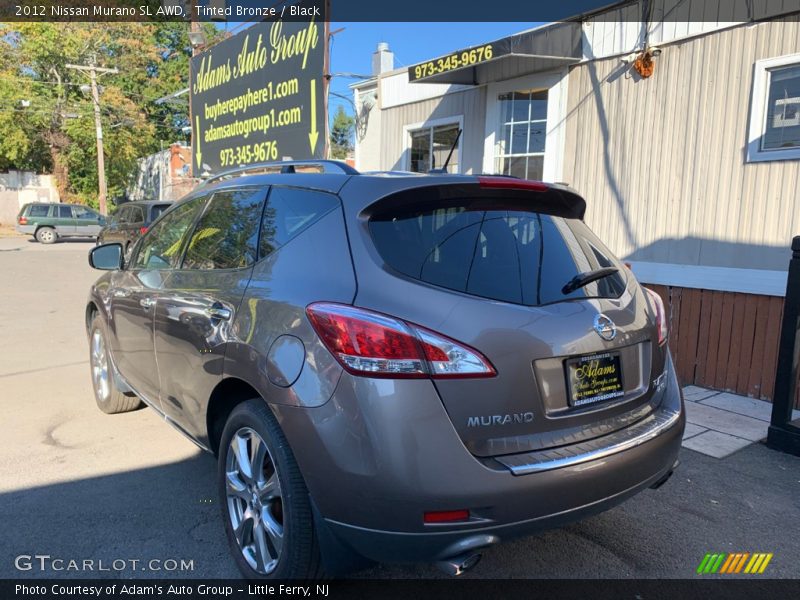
[
  {"x": 100, "y": 366},
  {"x": 255, "y": 504}
]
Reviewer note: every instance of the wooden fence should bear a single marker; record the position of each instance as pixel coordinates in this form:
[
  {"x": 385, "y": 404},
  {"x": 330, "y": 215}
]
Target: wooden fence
[{"x": 724, "y": 340}]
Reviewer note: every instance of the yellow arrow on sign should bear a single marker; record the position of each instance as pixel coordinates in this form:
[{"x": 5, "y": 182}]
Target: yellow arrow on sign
[
  {"x": 313, "y": 134},
  {"x": 198, "y": 154}
]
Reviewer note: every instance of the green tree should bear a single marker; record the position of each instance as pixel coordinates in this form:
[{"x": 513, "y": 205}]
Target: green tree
[
  {"x": 47, "y": 120},
  {"x": 342, "y": 133}
]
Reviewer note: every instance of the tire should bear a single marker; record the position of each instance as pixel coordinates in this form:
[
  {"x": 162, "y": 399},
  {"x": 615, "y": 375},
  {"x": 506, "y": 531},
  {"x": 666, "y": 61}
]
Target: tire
[
  {"x": 284, "y": 509},
  {"x": 46, "y": 235},
  {"x": 109, "y": 399}
]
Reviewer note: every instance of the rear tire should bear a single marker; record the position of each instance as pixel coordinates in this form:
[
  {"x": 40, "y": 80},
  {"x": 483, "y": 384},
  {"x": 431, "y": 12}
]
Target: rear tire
[
  {"x": 109, "y": 399},
  {"x": 46, "y": 235},
  {"x": 265, "y": 503}
]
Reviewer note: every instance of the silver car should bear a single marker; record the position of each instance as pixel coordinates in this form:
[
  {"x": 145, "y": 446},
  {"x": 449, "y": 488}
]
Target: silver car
[{"x": 389, "y": 367}]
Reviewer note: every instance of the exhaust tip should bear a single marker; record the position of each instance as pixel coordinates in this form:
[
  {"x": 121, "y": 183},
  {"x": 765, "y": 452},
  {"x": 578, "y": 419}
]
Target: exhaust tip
[
  {"x": 458, "y": 565},
  {"x": 666, "y": 477}
]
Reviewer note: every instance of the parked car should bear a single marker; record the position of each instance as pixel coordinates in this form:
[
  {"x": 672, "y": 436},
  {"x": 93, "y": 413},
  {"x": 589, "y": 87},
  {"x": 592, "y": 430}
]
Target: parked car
[
  {"x": 47, "y": 222},
  {"x": 389, "y": 367},
  {"x": 130, "y": 221}
]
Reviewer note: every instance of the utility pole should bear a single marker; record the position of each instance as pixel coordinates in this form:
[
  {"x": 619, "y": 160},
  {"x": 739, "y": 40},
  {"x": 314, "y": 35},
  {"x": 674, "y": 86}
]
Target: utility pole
[
  {"x": 194, "y": 27},
  {"x": 93, "y": 70}
]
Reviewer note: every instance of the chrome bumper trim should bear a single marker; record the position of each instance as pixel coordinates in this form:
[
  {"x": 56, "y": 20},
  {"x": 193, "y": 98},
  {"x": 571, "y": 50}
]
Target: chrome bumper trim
[{"x": 567, "y": 456}]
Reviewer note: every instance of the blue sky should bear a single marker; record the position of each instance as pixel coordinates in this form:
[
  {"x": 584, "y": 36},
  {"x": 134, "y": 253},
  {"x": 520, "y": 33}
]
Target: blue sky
[{"x": 411, "y": 43}]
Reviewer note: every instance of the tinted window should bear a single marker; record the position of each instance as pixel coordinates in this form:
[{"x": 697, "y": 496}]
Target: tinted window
[
  {"x": 64, "y": 212},
  {"x": 160, "y": 248},
  {"x": 81, "y": 212},
  {"x": 135, "y": 215},
  {"x": 38, "y": 210},
  {"x": 514, "y": 256},
  {"x": 226, "y": 237},
  {"x": 289, "y": 212},
  {"x": 157, "y": 209},
  {"x": 121, "y": 216}
]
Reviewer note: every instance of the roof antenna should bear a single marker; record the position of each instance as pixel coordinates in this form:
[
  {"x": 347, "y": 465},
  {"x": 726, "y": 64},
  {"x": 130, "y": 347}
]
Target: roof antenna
[{"x": 443, "y": 168}]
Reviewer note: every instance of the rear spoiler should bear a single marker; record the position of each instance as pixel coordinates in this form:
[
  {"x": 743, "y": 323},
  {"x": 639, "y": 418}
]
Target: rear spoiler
[
  {"x": 487, "y": 193},
  {"x": 555, "y": 199}
]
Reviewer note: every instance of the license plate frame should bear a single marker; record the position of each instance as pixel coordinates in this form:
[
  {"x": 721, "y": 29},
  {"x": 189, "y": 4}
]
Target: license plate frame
[{"x": 593, "y": 379}]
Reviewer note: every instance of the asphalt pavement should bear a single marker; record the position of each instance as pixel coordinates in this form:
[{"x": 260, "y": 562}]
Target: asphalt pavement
[{"x": 79, "y": 485}]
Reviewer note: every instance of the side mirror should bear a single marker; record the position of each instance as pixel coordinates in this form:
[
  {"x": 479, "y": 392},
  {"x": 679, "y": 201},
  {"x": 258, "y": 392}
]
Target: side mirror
[{"x": 107, "y": 257}]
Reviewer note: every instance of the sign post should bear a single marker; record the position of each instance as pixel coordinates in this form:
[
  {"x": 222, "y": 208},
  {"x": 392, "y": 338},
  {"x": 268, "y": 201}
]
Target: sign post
[
  {"x": 259, "y": 96},
  {"x": 784, "y": 434}
]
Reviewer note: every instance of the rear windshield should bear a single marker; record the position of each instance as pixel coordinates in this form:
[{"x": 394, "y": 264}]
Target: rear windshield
[{"x": 514, "y": 256}]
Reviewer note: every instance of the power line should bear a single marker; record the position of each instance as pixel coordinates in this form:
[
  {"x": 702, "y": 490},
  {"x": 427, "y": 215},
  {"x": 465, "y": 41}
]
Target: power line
[
  {"x": 47, "y": 82},
  {"x": 92, "y": 69}
]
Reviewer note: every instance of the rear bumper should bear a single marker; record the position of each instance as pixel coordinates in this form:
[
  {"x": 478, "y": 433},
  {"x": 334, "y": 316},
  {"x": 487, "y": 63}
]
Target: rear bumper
[
  {"x": 26, "y": 229},
  {"x": 374, "y": 465},
  {"x": 392, "y": 546}
]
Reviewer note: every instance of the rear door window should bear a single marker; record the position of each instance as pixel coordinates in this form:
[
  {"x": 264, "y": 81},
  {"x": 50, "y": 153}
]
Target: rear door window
[
  {"x": 226, "y": 237},
  {"x": 121, "y": 216},
  {"x": 64, "y": 212},
  {"x": 521, "y": 257},
  {"x": 135, "y": 216}
]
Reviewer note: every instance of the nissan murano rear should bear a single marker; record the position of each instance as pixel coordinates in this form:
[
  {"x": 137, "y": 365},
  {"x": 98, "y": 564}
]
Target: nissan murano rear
[{"x": 390, "y": 367}]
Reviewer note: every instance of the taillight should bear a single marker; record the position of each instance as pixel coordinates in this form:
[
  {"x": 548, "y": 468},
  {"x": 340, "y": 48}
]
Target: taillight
[
  {"x": 512, "y": 183},
  {"x": 377, "y": 345},
  {"x": 142, "y": 230},
  {"x": 661, "y": 315},
  {"x": 23, "y": 220}
]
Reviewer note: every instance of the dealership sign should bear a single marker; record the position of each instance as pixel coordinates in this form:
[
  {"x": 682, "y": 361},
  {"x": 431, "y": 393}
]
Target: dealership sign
[
  {"x": 258, "y": 97},
  {"x": 545, "y": 48}
]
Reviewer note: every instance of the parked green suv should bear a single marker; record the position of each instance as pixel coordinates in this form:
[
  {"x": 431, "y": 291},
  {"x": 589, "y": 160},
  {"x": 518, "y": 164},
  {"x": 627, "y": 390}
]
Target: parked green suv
[{"x": 48, "y": 222}]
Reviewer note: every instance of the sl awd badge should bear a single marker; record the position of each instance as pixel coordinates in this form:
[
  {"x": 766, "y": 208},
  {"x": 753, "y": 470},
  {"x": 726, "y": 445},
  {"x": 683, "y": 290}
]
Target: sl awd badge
[{"x": 605, "y": 327}]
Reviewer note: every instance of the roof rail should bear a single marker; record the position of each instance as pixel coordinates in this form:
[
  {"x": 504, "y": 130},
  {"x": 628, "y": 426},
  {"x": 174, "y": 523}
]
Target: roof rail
[{"x": 286, "y": 166}]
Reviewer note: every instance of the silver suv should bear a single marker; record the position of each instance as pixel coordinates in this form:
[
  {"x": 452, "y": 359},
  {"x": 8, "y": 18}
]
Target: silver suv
[{"x": 393, "y": 367}]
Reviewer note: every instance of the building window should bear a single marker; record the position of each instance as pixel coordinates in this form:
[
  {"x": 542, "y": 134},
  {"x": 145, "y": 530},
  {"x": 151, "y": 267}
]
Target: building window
[
  {"x": 430, "y": 147},
  {"x": 519, "y": 146},
  {"x": 775, "y": 117}
]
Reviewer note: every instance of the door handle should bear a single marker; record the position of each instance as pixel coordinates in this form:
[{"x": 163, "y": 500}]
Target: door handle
[
  {"x": 218, "y": 312},
  {"x": 147, "y": 302}
]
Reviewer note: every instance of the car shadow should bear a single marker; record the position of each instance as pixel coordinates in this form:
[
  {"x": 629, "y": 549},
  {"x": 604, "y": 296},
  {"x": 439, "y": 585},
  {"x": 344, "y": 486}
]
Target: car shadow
[
  {"x": 163, "y": 513},
  {"x": 67, "y": 240}
]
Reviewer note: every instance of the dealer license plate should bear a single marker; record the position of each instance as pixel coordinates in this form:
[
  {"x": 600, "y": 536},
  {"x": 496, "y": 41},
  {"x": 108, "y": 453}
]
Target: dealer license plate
[{"x": 594, "y": 378}]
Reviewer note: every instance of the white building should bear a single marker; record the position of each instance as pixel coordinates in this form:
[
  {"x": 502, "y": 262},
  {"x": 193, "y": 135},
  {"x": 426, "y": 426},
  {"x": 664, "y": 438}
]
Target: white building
[{"x": 691, "y": 174}]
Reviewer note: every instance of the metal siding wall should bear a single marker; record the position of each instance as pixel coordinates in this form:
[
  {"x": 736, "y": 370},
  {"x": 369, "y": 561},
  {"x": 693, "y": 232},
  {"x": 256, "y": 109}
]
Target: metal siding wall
[
  {"x": 620, "y": 30},
  {"x": 471, "y": 104},
  {"x": 396, "y": 90},
  {"x": 662, "y": 161}
]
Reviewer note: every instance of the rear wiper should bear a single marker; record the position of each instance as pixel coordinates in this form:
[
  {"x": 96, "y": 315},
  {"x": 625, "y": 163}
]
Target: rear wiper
[{"x": 582, "y": 279}]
